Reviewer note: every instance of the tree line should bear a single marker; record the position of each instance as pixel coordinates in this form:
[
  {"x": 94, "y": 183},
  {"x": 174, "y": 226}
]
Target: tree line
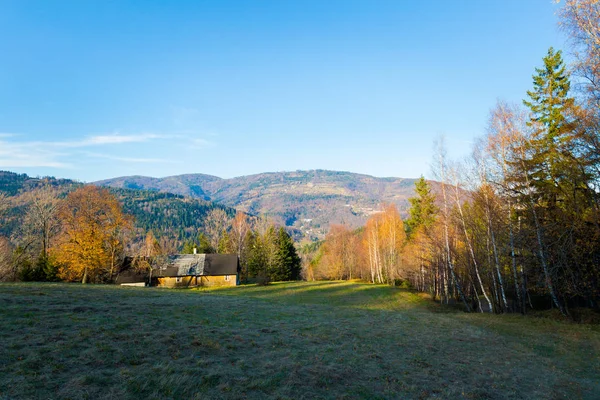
[{"x": 517, "y": 225}]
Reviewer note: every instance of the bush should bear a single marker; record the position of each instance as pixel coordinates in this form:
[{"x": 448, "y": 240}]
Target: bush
[
  {"x": 403, "y": 284},
  {"x": 43, "y": 270},
  {"x": 263, "y": 279}
]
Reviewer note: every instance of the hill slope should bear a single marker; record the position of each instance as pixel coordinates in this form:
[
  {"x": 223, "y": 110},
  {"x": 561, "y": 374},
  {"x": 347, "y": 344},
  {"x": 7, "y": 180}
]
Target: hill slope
[
  {"x": 307, "y": 201},
  {"x": 168, "y": 215},
  {"x": 307, "y": 340}
]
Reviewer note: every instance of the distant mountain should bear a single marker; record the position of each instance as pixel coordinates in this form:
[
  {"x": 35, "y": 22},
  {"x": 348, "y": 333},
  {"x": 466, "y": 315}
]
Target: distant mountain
[{"x": 307, "y": 202}]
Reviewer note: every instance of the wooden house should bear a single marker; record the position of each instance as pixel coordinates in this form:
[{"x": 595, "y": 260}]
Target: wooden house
[{"x": 188, "y": 270}]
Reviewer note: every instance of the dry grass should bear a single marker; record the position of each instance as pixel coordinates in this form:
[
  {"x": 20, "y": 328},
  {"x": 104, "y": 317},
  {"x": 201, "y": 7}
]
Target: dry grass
[{"x": 293, "y": 340}]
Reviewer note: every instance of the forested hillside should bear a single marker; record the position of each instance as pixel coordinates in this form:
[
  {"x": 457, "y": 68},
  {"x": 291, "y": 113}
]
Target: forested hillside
[
  {"x": 170, "y": 216},
  {"x": 307, "y": 202}
]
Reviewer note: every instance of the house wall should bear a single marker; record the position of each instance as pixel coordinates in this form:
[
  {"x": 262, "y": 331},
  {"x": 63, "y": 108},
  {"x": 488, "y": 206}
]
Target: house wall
[
  {"x": 219, "y": 280},
  {"x": 190, "y": 281},
  {"x": 171, "y": 282}
]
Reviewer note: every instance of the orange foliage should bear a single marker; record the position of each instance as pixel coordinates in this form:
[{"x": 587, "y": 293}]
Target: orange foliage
[{"x": 92, "y": 235}]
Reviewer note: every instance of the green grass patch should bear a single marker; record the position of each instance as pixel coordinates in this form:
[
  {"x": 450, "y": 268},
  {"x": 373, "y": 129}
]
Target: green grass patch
[{"x": 330, "y": 340}]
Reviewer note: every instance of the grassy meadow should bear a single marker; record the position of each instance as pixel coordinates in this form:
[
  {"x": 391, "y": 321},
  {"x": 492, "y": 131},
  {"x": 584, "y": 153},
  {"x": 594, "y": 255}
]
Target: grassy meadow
[{"x": 288, "y": 340}]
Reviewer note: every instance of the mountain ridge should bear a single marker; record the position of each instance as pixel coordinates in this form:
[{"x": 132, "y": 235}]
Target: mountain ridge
[{"x": 305, "y": 201}]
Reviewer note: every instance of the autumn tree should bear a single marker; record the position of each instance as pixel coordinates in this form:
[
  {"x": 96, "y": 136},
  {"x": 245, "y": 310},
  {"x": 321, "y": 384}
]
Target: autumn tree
[
  {"x": 92, "y": 235},
  {"x": 338, "y": 260},
  {"x": 441, "y": 170},
  {"x": 384, "y": 238}
]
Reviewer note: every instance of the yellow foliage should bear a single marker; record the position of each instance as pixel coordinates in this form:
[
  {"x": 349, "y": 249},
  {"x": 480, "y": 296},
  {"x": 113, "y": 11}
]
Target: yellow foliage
[{"x": 92, "y": 234}]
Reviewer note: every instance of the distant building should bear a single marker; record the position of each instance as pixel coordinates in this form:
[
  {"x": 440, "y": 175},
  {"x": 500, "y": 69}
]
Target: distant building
[{"x": 186, "y": 270}]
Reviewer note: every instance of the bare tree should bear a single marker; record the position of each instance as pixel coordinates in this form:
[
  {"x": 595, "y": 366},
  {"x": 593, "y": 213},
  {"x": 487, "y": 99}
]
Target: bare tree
[
  {"x": 41, "y": 219},
  {"x": 239, "y": 231},
  {"x": 6, "y": 260},
  {"x": 215, "y": 225},
  {"x": 441, "y": 172},
  {"x": 580, "y": 19}
]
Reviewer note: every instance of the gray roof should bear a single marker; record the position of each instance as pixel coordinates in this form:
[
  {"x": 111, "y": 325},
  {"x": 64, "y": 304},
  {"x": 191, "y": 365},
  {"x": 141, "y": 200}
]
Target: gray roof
[{"x": 198, "y": 265}]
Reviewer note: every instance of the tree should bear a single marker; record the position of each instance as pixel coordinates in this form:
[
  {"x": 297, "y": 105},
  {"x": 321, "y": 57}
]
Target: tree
[
  {"x": 91, "y": 236},
  {"x": 442, "y": 171},
  {"x": 505, "y": 133},
  {"x": 384, "y": 239},
  {"x": 552, "y": 169},
  {"x": 239, "y": 234},
  {"x": 41, "y": 217},
  {"x": 581, "y": 20},
  {"x": 215, "y": 225},
  {"x": 287, "y": 263},
  {"x": 202, "y": 245},
  {"x": 422, "y": 210},
  {"x": 6, "y": 260},
  {"x": 338, "y": 259},
  {"x": 148, "y": 256}
]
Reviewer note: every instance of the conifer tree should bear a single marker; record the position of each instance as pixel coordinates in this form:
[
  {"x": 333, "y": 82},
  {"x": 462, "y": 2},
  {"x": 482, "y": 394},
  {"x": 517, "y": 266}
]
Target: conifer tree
[
  {"x": 550, "y": 169},
  {"x": 287, "y": 265},
  {"x": 422, "y": 207}
]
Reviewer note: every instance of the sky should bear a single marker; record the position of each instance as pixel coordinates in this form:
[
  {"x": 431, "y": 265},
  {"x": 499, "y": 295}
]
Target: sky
[{"x": 92, "y": 90}]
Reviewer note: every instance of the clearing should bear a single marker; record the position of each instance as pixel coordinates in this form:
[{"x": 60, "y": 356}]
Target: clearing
[{"x": 287, "y": 340}]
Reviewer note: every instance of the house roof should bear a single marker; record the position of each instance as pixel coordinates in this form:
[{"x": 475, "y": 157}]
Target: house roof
[
  {"x": 182, "y": 265},
  {"x": 198, "y": 265}
]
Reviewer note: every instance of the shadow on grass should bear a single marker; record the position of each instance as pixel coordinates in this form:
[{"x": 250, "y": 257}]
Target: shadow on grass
[{"x": 331, "y": 293}]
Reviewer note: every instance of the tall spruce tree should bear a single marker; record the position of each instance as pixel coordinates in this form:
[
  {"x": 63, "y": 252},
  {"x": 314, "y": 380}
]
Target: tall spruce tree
[
  {"x": 550, "y": 148},
  {"x": 553, "y": 176},
  {"x": 422, "y": 207},
  {"x": 287, "y": 265}
]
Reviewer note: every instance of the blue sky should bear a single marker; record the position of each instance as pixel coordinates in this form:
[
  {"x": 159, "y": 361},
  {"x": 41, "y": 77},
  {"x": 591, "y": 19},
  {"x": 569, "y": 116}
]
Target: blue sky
[{"x": 98, "y": 89}]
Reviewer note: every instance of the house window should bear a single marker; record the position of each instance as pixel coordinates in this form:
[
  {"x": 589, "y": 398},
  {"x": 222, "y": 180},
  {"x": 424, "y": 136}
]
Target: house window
[
  {"x": 226, "y": 277},
  {"x": 178, "y": 279}
]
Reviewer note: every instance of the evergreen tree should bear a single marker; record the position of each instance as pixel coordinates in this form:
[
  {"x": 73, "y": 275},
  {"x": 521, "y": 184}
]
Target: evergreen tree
[
  {"x": 550, "y": 153},
  {"x": 552, "y": 182},
  {"x": 224, "y": 244},
  {"x": 287, "y": 261},
  {"x": 422, "y": 210},
  {"x": 202, "y": 245},
  {"x": 549, "y": 98}
]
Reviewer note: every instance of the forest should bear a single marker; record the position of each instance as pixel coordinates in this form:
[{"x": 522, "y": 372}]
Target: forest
[
  {"x": 516, "y": 226},
  {"x": 56, "y": 230}
]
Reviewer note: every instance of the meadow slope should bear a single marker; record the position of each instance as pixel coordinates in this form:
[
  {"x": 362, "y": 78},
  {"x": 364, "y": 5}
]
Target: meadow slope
[{"x": 286, "y": 340}]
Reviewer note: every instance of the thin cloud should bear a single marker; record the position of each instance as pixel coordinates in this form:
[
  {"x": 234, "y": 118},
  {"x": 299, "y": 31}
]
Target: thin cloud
[
  {"x": 119, "y": 139},
  {"x": 15, "y": 153},
  {"x": 24, "y": 155}
]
